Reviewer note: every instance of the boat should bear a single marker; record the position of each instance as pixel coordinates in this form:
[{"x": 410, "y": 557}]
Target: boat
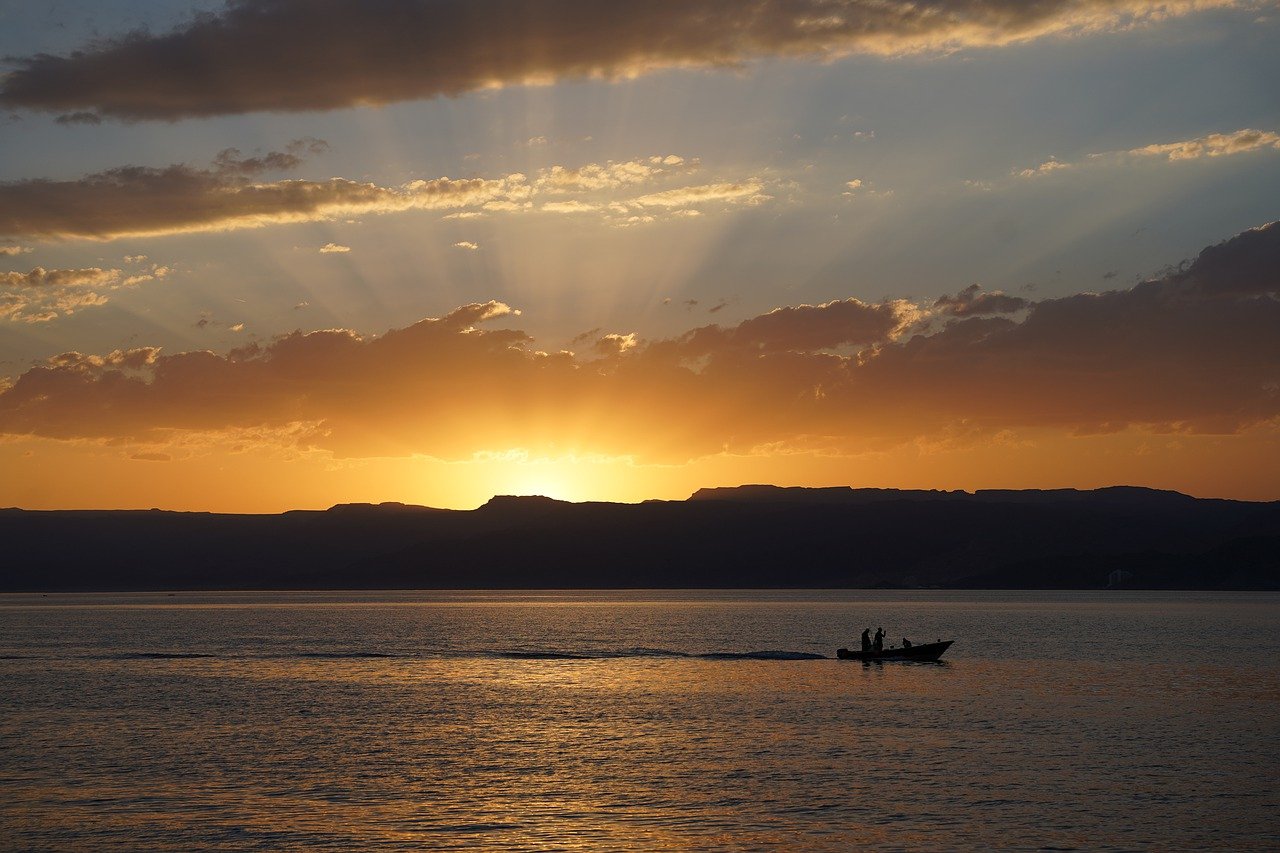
[{"x": 922, "y": 652}]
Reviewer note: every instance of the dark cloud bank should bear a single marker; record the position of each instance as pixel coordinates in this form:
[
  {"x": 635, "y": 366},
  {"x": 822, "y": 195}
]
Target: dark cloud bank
[
  {"x": 327, "y": 54},
  {"x": 1197, "y": 350}
]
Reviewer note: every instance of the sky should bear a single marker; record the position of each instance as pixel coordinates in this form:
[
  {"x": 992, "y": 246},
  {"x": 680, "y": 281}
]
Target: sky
[{"x": 275, "y": 254}]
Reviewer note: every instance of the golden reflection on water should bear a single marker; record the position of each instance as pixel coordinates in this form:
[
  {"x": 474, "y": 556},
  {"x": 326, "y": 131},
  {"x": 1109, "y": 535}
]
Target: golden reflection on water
[{"x": 326, "y": 726}]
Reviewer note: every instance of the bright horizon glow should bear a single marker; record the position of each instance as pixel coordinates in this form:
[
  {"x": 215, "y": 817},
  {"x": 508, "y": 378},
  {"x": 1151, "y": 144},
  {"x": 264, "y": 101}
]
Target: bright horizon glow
[{"x": 260, "y": 481}]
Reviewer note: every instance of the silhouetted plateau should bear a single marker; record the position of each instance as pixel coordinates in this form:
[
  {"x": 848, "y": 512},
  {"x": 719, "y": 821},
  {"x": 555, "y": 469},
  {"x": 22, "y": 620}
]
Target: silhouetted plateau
[{"x": 751, "y": 536}]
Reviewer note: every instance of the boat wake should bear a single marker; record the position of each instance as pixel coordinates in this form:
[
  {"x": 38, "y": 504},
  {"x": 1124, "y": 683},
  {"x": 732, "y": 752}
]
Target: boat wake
[
  {"x": 764, "y": 655},
  {"x": 530, "y": 654},
  {"x": 608, "y": 654}
]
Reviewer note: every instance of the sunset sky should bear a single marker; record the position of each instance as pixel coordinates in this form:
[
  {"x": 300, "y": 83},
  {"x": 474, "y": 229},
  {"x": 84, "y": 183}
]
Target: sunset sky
[{"x": 274, "y": 254}]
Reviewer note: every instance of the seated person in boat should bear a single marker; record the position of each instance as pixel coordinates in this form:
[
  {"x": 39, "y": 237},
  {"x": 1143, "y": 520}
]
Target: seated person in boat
[{"x": 906, "y": 644}]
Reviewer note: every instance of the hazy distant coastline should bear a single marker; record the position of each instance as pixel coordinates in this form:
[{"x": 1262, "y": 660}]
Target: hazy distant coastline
[{"x": 748, "y": 536}]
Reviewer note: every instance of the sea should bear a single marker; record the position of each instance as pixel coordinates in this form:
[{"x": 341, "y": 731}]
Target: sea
[{"x": 638, "y": 720}]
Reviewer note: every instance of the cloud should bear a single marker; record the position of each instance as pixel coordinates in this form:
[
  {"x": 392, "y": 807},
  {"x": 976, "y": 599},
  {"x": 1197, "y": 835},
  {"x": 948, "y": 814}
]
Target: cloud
[
  {"x": 293, "y": 55},
  {"x": 628, "y": 221},
  {"x": 466, "y": 244},
  {"x": 1047, "y": 167},
  {"x": 208, "y": 321},
  {"x": 142, "y": 201},
  {"x": 741, "y": 192},
  {"x": 148, "y": 456},
  {"x": 573, "y": 206},
  {"x": 1212, "y": 145},
  {"x": 614, "y": 344},
  {"x": 610, "y": 175},
  {"x": 1246, "y": 265},
  {"x": 467, "y": 316},
  {"x": 83, "y": 117},
  {"x": 972, "y": 302},
  {"x": 128, "y": 359},
  {"x": 41, "y": 278},
  {"x": 864, "y": 189},
  {"x": 157, "y": 271},
  {"x": 230, "y": 161},
  {"x": 505, "y": 206},
  {"x": 809, "y": 328},
  {"x": 1197, "y": 350},
  {"x": 334, "y": 249},
  {"x": 227, "y": 195},
  {"x": 13, "y": 251},
  {"x": 1194, "y": 351},
  {"x": 42, "y": 294}
]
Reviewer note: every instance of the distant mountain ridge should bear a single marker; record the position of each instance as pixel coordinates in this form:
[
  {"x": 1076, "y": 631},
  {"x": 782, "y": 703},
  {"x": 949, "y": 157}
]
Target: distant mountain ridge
[
  {"x": 746, "y": 536},
  {"x": 850, "y": 495}
]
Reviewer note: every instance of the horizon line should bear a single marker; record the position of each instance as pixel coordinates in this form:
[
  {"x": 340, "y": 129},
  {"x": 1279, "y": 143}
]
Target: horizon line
[{"x": 395, "y": 504}]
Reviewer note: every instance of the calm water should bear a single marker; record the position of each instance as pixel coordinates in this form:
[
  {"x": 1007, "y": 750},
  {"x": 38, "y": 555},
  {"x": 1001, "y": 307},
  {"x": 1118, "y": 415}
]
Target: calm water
[{"x": 609, "y": 721}]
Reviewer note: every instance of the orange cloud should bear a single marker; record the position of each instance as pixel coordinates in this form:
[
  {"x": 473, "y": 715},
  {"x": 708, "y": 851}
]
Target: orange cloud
[
  {"x": 748, "y": 192},
  {"x": 130, "y": 359},
  {"x": 1196, "y": 351},
  {"x": 42, "y": 294},
  {"x": 610, "y": 175},
  {"x": 142, "y": 201},
  {"x": 572, "y": 206},
  {"x": 40, "y": 278},
  {"x": 292, "y": 55},
  {"x": 1211, "y": 145}
]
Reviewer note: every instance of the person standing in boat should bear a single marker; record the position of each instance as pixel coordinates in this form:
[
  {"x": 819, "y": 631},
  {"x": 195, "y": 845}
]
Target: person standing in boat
[
  {"x": 878, "y": 645},
  {"x": 866, "y": 640}
]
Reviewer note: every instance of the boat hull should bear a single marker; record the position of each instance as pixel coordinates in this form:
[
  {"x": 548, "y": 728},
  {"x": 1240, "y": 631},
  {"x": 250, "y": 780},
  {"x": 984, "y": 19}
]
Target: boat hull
[{"x": 922, "y": 652}]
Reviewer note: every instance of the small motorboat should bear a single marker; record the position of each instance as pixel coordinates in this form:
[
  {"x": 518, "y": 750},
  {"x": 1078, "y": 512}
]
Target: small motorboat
[{"x": 924, "y": 651}]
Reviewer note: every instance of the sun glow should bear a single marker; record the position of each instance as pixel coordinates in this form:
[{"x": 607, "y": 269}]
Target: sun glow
[
  {"x": 548, "y": 478},
  {"x": 564, "y": 478}
]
